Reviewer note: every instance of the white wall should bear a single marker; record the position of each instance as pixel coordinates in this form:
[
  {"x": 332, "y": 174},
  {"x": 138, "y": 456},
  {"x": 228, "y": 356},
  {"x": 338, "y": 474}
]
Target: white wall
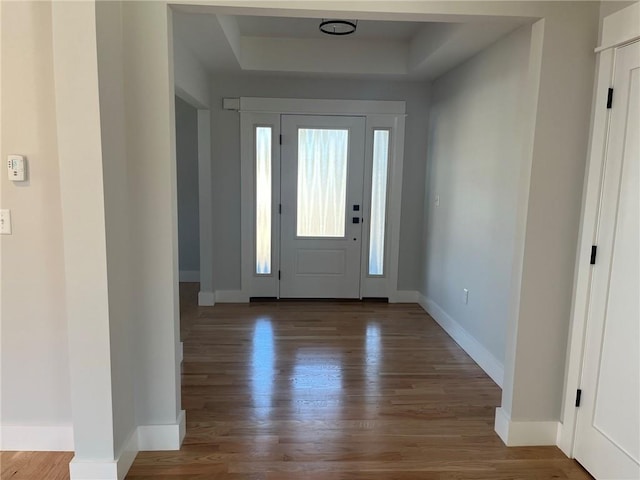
[
  {"x": 608, "y": 7},
  {"x": 225, "y": 127},
  {"x": 475, "y": 163},
  {"x": 117, "y": 218},
  {"x": 34, "y": 385},
  {"x": 151, "y": 170},
  {"x": 191, "y": 79},
  {"x": 77, "y": 95},
  {"x": 188, "y": 199},
  {"x": 558, "y": 137},
  {"x": 192, "y": 85}
]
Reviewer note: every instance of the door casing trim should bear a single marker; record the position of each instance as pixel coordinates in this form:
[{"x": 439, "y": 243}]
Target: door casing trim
[{"x": 379, "y": 115}]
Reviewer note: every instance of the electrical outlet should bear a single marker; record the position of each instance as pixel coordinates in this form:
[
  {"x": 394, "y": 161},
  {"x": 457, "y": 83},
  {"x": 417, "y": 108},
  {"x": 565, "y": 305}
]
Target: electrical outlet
[
  {"x": 5, "y": 222},
  {"x": 465, "y": 296}
]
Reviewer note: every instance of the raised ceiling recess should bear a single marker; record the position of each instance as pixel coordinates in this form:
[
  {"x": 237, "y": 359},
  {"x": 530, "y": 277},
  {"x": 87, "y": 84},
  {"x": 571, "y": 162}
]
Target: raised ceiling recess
[{"x": 398, "y": 49}]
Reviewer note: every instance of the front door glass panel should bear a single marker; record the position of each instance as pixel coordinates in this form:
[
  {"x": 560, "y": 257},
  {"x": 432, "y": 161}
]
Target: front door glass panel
[{"x": 322, "y": 182}]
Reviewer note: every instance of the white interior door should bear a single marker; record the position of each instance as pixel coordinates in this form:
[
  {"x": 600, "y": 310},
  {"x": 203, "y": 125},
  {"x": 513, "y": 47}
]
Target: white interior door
[
  {"x": 321, "y": 212},
  {"x": 608, "y": 427}
]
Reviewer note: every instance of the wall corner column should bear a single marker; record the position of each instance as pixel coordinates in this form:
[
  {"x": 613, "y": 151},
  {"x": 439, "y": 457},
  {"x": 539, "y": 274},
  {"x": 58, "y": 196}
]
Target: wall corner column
[
  {"x": 555, "y": 138},
  {"x": 84, "y": 230}
]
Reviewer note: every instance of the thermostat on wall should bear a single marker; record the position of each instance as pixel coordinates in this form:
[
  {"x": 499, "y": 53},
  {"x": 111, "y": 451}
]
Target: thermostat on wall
[{"x": 17, "y": 167}]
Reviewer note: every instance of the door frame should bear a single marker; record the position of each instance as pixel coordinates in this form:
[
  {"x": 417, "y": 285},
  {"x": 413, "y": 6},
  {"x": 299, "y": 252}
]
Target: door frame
[
  {"x": 384, "y": 115},
  {"x": 619, "y": 30}
]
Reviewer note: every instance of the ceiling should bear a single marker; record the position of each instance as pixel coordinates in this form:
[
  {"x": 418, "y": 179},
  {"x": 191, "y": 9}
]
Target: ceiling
[
  {"x": 292, "y": 46},
  {"x": 308, "y": 28}
]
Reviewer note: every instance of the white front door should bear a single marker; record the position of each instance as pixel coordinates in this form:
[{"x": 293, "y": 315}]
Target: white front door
[
  {"x": 322, "y": 173},
  {"x": 608, "y": 427}
]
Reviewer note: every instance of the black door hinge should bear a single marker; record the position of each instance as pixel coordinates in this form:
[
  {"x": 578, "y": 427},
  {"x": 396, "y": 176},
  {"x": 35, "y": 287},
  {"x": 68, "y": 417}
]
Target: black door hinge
[
  {"x": 280, "y": 139},
  {"x": 280, "y": 208},
  {"x": 594, "y": 253},
  {"x": 278, "y": 274},
  {"x": 610, "y": 98},
  {"x": 578, "y": 397}
]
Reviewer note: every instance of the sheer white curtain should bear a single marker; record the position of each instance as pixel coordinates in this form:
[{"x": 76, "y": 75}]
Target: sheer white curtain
[
  {"x": 322, "y": 182},
  {"x": 378, "y": 201},
  {"x": 263, "y": 200}
]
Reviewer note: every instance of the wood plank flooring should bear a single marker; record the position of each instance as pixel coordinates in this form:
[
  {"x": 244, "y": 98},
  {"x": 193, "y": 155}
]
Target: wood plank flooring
[
  {"x": 334, "y": 390},
  {"x": 35, "y": 465}
]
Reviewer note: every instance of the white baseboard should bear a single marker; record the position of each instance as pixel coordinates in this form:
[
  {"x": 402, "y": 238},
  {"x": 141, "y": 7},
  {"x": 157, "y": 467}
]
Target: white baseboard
[
  {"x": 19, "y": 438},
  {"x": 162, "y": 437},
  {"x": 231, "y": 296},
  {"x": 106, "y": 470},
  {"x": 565, "y": 444},
  {"x": 143, "y": 438},
  {"x": 404, "y": 296},
  {"x": 189, "y": 276},
  {"x": 206, "y": 299},
  {"x": 525, "y": 434},
  {"x": 90, "y": 470},
  {"x": 60, "y": 439},
  {"x": 128, "y": 455},
  {"x": 483, "y": 357}
]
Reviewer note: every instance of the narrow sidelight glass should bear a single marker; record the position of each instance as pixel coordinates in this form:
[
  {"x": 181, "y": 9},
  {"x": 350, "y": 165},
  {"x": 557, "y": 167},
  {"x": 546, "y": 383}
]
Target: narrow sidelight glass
[
  {"x": 263, "y": 200},
  {"x": 378, "y": 201}
]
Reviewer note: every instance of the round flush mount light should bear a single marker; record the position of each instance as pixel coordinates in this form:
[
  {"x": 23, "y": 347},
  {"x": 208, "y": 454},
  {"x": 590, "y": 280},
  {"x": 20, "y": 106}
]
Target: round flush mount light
[{"x": 338, "y": 27}]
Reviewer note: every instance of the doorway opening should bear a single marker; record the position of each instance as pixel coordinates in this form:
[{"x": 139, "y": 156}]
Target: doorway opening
[{"x": 318, "y": 192}]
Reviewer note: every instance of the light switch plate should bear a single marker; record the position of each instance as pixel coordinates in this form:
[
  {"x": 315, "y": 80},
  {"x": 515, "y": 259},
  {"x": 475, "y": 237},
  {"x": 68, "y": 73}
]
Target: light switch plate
[{"x": 5, "y": 222}]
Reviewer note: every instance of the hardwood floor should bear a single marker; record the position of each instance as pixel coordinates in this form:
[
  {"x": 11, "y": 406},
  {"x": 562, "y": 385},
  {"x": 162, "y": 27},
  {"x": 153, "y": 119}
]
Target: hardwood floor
[
  {"x": 35, "y": 465},
  {"x": 335, "y": 390},
  {"x": 329, "y": 390}
]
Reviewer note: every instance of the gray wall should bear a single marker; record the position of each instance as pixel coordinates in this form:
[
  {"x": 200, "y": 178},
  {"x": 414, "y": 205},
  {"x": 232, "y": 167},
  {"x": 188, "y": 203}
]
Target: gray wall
[
  {"x": 475, "y": 159},
  {"x": 187, "y": 172},
  {"x": 226, "y": 160}
]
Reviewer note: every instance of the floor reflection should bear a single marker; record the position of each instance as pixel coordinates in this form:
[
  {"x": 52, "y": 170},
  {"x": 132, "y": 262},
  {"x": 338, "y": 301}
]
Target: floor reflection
[
  {"x": 316, "y": 385},
  {"x": 373, "y": 359},
  {"x": 262, "y": 367}
]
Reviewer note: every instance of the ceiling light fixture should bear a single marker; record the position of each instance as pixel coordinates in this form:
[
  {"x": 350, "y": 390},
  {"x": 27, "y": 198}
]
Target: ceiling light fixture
[{"x": 338, "y": 27}]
